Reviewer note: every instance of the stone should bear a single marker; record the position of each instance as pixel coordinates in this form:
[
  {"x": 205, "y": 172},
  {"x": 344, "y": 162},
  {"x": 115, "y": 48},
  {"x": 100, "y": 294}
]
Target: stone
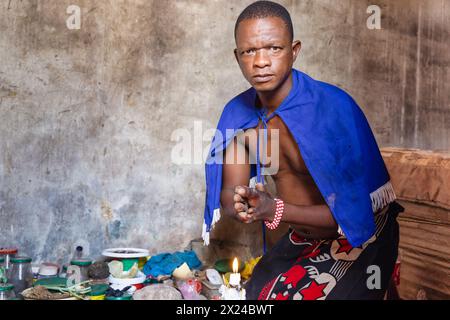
[
  {"x": 214, "y": 277},
  {"x": 157, "y": 292},
  {"x": 98, "y": 270}
]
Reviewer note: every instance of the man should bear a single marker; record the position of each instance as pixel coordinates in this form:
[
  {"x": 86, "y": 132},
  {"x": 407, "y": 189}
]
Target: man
[{"x": 332, "y": 185}]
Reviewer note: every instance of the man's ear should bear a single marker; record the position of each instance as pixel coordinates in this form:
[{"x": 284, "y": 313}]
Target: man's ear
[{"x": 296, "y": 47}]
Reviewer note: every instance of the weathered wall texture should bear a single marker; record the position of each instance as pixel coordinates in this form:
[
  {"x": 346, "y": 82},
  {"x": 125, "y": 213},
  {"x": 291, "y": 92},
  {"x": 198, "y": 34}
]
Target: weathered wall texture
[{"x": 86, "y": 116}]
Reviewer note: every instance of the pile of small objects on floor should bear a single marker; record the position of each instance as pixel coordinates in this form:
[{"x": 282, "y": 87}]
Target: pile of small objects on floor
[{"x": 120, "y": 274}]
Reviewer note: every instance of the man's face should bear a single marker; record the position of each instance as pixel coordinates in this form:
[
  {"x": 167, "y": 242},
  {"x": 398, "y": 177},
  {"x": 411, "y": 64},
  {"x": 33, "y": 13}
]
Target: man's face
[{"x": 265, "y": 52}]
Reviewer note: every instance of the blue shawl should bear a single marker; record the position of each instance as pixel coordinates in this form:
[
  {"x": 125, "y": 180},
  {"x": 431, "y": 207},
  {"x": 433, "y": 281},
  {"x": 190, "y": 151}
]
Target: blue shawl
[{"x": 337, "y": 146}]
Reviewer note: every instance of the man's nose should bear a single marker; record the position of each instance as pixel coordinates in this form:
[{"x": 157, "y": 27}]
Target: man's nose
[{"x": 262, "y": 59}]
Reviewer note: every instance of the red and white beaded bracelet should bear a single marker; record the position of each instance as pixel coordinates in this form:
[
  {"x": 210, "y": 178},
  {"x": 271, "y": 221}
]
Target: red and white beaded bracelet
[{"x": 278, "y": 214}]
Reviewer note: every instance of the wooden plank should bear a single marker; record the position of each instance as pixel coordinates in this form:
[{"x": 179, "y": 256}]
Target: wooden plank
[{"x": 424, "y": 252}]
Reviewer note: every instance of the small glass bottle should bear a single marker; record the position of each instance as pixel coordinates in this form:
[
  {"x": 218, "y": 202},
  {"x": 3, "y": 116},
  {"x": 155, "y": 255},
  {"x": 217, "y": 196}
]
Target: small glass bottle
[
  {"x": 35, "y": 271},
  {"x": 2, "y": 270},
  {"x": 8, "y": 254},
  {"x": 7, "y": 291},
  {"x": 20, "y": 274}
]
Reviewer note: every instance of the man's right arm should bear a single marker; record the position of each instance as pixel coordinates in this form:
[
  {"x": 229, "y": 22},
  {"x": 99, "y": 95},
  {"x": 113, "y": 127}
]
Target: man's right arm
[{"x": 236, "y": 172}]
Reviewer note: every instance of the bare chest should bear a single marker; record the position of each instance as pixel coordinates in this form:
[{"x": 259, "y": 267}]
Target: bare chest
[{"x": 281, "y": 150}]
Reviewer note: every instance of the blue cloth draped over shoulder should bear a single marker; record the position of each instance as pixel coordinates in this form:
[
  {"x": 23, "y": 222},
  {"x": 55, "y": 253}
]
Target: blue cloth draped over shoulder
[{"x": 337, "y": 146}]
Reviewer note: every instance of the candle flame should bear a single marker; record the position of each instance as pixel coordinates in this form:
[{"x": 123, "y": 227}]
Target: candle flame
[{"x": 235, "y": 265}]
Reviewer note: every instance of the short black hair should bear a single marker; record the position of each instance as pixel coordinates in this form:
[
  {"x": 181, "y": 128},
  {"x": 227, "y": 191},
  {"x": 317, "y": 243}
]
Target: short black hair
[{"x": 266, "y": 9}]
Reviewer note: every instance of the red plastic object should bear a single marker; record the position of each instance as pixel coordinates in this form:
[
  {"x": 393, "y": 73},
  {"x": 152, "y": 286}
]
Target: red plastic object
[
  {"x": 138, "y": 286},
  {"x": 8, "y": 251},
  {"x": 196, "y": 284}
]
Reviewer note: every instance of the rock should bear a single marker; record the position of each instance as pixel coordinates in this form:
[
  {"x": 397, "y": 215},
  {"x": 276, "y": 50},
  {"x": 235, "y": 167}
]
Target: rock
[
  {"x": 169, "y": 282},
  {"x": 157, "y": 292},
  {"x": 214, "y": 277},
  {"x": 98, "y": 270}
]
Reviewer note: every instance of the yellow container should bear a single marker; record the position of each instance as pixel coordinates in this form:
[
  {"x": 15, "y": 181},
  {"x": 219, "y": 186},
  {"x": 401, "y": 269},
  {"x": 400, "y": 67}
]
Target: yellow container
[{"x": 101, "y": 297}]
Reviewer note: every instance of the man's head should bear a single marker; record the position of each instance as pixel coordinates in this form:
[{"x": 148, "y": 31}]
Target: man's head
[{"x": 264, "y": 45}]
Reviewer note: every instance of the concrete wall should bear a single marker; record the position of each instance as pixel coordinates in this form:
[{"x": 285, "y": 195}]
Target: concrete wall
[{"x": 86, "y": 116}]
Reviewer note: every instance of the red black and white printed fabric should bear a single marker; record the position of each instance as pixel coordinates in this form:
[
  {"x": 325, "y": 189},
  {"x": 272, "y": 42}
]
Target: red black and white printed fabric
[{"x": 300, "y": 269}]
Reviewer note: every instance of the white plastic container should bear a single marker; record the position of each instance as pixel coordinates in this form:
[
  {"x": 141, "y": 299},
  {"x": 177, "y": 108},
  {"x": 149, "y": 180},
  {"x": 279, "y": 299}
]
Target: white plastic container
[
  {"x": 47, "y": 271},
  {"x": 119, "y": 284}
]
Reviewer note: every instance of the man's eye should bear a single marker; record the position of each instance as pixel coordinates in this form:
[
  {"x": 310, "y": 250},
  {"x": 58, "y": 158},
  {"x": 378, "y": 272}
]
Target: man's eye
[
  {"x": 275, "y": 49},
  {"x": 251, "y": 51}
]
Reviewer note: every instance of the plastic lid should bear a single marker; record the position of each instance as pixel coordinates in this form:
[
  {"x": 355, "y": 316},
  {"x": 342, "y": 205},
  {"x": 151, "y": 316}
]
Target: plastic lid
[
  {"x": 6, "y": 287},
  {"x": 22, "y": 259},
  {"x": 8, "y": 251},
  {"x": 81, "y": 262}
]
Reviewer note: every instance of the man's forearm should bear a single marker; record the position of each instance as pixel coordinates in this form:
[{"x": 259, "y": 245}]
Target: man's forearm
[
  {"x": 316, "y": 216},
  {"x": 226, "y": 201},
  {"x": 261, "y": 206}
]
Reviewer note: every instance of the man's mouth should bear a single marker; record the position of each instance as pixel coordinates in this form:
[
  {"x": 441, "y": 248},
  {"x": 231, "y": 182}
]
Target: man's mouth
[{"x": 263, "y": 78}]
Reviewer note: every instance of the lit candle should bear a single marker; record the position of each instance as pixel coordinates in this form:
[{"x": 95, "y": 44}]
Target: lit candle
[
  {"x": 235, "y": 277},
  {"x": 234, "y": 290}
]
